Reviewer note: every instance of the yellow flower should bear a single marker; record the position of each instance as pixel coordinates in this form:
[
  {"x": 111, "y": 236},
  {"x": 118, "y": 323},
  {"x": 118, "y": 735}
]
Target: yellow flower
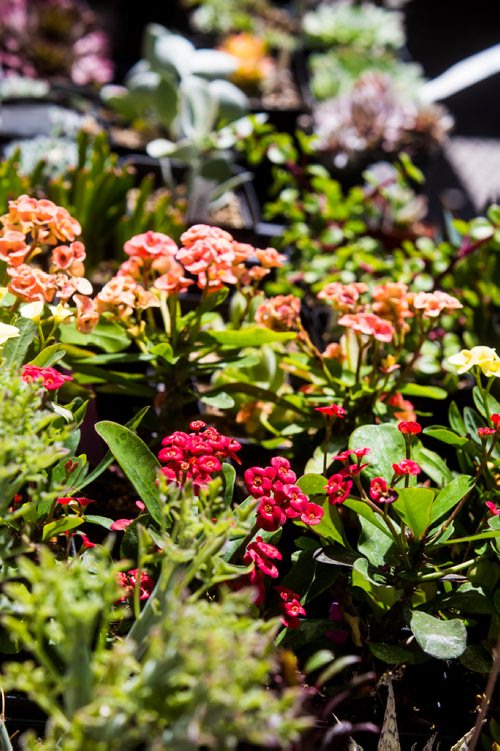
[
  {"x": 60, "y": 312},
  {"x": 7, "y": 332},
  {"x": 484, "y": 357}
]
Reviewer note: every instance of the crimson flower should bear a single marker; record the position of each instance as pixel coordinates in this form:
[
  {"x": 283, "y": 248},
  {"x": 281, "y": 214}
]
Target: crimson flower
[
  {"x": 269, "y": 515},
  {"x": 409, "y": 427},
  {"x": 493, "y": 508},
  {"x": 483, "y": 433},
  {"x": 262, "y": 555},
  {"x": 406, "y": 467},
  {"x": 495, "y": 419},
  {"x": 130, "y": 579},
  {"x": 259, "y": 480},
  {"x": 312, "y": 514},
  {"x": 86, "y": 542},
  {"x": 334, "y": 410},
  {"x": 338, "y": 489},
  {"x": 380, "y": 492},
  {"x": 50, "y": 377},
  {"x": 120, "y": 524}
]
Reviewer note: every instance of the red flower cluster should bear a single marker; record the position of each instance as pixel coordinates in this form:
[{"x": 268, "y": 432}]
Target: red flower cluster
[
  {"x": 67, "y": 500},
  {"x": 50, "y": 377},
  {"x": 290, "y": 607},
  {"x": 280, "y": 499},
  {"x": 352, "y": 469},
  {"x": 196, "y": 456},
  {"x": 262, "y": 555},
  {"x": 128, "y": 580}
]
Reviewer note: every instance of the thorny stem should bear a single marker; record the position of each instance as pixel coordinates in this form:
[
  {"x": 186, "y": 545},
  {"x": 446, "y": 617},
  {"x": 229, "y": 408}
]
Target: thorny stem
[
  {"x": 446, "y": 571},
  {"x": 486, "y": 700}
]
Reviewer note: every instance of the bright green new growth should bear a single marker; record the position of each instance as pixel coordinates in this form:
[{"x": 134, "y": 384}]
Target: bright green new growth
[
  {"x": 31, "y": 438},
  {"x": 203, "y": 679}
]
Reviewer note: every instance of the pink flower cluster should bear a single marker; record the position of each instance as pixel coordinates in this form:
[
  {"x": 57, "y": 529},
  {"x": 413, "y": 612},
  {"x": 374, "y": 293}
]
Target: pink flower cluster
[
  {"x": 196, "y": 456},
  {"x": 279, "y": 497}
]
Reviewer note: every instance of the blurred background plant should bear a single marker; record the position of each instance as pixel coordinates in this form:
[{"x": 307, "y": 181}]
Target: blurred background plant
[{"x": 56, "y": 40}]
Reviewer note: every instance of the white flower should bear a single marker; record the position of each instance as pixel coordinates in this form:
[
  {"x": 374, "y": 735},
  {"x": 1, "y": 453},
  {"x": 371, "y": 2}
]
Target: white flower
[
  {"x": 7, "y": 332},
  {"x": 484, "y": 357},
  {"x": 32, "y": 310}
]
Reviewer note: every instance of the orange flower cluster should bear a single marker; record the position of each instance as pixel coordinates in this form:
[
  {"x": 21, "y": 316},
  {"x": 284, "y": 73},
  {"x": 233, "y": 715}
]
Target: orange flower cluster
[{"x": 30, "y": 227}]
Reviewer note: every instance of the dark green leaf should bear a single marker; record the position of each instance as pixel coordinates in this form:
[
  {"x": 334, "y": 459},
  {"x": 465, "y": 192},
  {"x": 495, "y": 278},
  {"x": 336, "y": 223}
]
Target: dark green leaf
[
  {"x": 450, "y": 495},
  {"x": 414, "y": 507}
]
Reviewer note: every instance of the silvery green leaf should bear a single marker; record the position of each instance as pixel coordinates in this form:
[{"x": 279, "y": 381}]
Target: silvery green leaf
[
  {"x": 173, "y": 53},
  {"x": 213, "y": 64},
  {"x": 232, "y": 102},
  {"x": 160, "y": 147},
  {"x": 197, "y": 108}
]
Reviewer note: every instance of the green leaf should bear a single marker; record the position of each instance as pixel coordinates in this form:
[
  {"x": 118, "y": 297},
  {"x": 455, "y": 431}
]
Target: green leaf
[
  {"x": 387, "y": 447},
  {"x": 471, "y": 538},
  {"x": 450, "y": 495},
  {"x": 392, "y": 654},
  {"x": 382, "y": 596},
  {"x": 220, "y": 400},
  {"x": 48, "y": 356},
  {"x": 492, "y": 404},
  {"x": 229, "y": 473},
  {"x": 429, "y": 392},
  {"x": 330, "y": 526},
  {"x": 52, "y": 529},
  {"x": 108, "y": 458},
  {"x": 445, "y": 436},
  {"x": 102, "y": 521},
  {"x": 373, "y": 544},
  {"x": 136, "y": 460},
  {"x": 432, "y": 464},
  {"x": 455, "y": 418},
  {"x": 414, "y": 508},
  {"x": 252, "y": 336},
  {"x": 362, "y": 509},
  {"x": 107, "y": 335},
  {"x": 444, "y": 640},
  {"x": 15, "y": 349},
  {"x": 312, "y": 484}
]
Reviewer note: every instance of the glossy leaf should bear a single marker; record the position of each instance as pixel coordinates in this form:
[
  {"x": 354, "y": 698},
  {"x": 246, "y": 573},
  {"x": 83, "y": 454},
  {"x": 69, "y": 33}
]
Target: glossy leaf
[
  {"x": 136, "y": 460},
  {"x": 48, "y": 356},
  {"x": 252, "y": 336},
  {"x": 387, "y": 447},
  {"x": 14, "y": 351},
  {"x": 362, "y": 509},
  {"x": 444, "y": 640},
  {"x": 414, "y": 506},
  {"x": 382, "y": 596},
  {"x": 429, "y": 392},
  {"x": 444, "y": 435},
  {"x": 450, "y": 495},
  {"x": 312, "y": 484},
  {"x": 52, "y": 529},
  {"x": 432, "y": 464},
  {"x": 108, "y": 336}
]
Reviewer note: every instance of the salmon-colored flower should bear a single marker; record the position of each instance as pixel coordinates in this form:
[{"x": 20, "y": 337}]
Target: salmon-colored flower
[
  {"x": 87, "y": 315},
  {"x": 344, "y": 297},
  {"x": 13, "y": 247},
  {"x": 392, "y": 302},
  {"x": 432, "y": 304},
  {"x": 150, "y": 245},
  {"x": 31, "y": 284},
  {"x": 270, "y": 258},
  {"x": 280, "y": 313},
  {"x": 69, "y": 258},
  {"x": 406, "y": 409},
  {"x": 369, "y": 324},
  {"x": 203, "y": 232}
]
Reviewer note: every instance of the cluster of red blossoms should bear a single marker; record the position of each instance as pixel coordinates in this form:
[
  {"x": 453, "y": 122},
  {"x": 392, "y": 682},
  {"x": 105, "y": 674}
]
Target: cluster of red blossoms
[
  {"x": 263, "y": 555},
  {"x": 50, "y": 378},
  {"x": 196, "y": 456},
  {"x": 129, "y": 580},
  {"x": 280, "y": 498},
  {"x": 484, "y": 433},
  {"x": 339, "y": 485}
]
